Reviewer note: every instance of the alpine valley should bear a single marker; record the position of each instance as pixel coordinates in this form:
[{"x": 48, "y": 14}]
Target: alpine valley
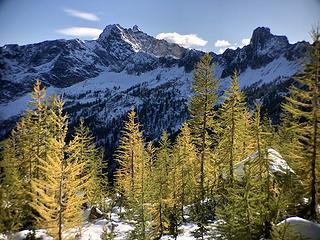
[{"x": 101, "y": 80}]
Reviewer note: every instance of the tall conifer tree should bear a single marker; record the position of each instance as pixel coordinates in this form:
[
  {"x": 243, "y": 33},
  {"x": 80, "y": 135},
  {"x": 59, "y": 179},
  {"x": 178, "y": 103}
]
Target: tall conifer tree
[
  {"x": 241, "y": 209},
  {"x": 12, "y": 193},
  {"x": 233, "y": 145},
  {"x": 303, "y": 106},
  {"x": 188, "y": 166},
  {"x": 83, "y": 149},
  {"x": 59, "y": 197},
  {"x": 129, "y": 156},
  {"x": 201, "y": 109},
  {"x": 160, "y": 200}
]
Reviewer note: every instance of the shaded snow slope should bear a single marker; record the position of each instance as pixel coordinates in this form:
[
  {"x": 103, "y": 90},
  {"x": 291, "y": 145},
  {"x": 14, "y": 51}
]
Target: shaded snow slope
[
  {"x": 278, "y": 69},
  {"x": 107, "y": 82}
]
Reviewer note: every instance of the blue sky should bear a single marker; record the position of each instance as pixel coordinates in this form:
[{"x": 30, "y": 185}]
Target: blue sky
[{"x": 209, "y": 25}]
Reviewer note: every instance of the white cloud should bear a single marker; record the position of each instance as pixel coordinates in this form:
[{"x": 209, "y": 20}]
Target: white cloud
[
  {"x": 80, "y": 32},
  {"x": 222, "y": 43},
  {"x": 188, "y": 40},
  {"x": 245, "y": 41},
  {"x": 221, "y": 50},
  {"x": 82, "y": 15}
]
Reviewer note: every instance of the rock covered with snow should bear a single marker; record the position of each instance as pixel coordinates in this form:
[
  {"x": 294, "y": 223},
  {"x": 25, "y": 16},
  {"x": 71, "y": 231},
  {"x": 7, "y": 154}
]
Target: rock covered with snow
[
  {"x": 277, "y": 165},
  {"x": 95, "y": 213},
  {"x": 299, "y": 227}
]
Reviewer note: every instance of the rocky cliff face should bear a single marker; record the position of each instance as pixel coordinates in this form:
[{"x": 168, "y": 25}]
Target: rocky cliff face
[{"x": 102, "y": 79}]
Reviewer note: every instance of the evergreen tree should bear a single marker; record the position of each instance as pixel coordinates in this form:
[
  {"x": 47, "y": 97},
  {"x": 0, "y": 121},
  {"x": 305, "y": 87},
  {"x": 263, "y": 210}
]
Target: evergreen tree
[
  {"x": 83, "y": 149},
  {"x": 38, "y": 131},
  {"x": 175, "y": 187},
  {"x": 42, "y": 178},
  {"x": 133, "y": 175},
  {"x": 143, "y": 179},
  {"x": 289, "y": 147},
  {"x": 29, "y": 138},
  {"x": 141, "y": 211},
  {"x": 261, "y": 165},
  {"x": 187, "y": 167},
  {"x": 160, "y": 200},
  {"x": 241, "y": 209},
  {"x": 258, "y": 196},
  {"x": 59, "y": 197},
  {"x": 201, "y": 109},
  {"x": 233, "y": 145},
  {"x": 150, "y": 155},
  {"x": 303, "y": 106},
  {"x": 183, "y": 172},
  {"x": 273, "y": 202},
  {"x": 12, "y": 194},
  {"x": 129, "y": 156}
]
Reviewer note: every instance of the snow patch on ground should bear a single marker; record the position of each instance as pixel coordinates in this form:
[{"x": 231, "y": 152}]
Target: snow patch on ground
[
  {"x": 119, "y": 227},
  {"x": 41, "y": 233}
]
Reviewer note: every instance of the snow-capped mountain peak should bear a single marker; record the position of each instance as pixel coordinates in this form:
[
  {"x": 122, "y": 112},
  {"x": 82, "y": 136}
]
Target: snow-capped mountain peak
[
  {"x": 110, "y": 30},
  {"x": 101, "y": 79},
  {"x": 114, "y": 33},
  {"x": 135, "y": 28},
  {"x": 262, "y": 41},
  {"x": 133, "y": 39}
]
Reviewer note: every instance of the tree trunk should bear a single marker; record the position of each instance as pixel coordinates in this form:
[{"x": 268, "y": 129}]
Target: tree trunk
[
  {"x": 61, "y": 202},
  {"x": 313, "y": 203},
  {"x": 142, "y": 199},
  {"x": 132, "y": 171},
  {"x": 203, "y": 146},
  {"x": 232, "y": 145}
]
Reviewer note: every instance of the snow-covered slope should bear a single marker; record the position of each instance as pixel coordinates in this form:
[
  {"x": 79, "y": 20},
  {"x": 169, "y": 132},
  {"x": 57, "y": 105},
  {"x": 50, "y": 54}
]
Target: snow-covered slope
[{"x": 102, "y": 79}]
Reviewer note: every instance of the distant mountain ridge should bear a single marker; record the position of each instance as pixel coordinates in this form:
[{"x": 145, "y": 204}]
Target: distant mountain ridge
[{"x": 102, "y": 79}]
